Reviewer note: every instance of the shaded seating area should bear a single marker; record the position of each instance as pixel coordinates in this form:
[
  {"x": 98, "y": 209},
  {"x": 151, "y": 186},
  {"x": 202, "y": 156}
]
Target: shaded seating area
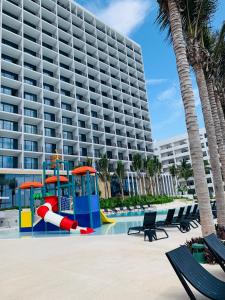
[
  {"x": 217, "y": 248},
  {"x": 149, "y": 227},
  {"x": 188, "y": 270}
]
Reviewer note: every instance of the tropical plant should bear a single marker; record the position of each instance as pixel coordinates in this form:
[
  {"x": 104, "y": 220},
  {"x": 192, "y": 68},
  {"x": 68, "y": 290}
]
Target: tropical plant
[
  {"x": 12, "y": 186},
  {"x": 169, "y": 18},
  {"x": 185, "y": 172},
  {"x": 174, "y": 172},
  {"x": 103, "y": 171},
  {"x": 137, "y": 165},
  {"x": 196, "y": 17},
  {"x": 89, "y": 161},
  {"x": 120, "y": 174}
]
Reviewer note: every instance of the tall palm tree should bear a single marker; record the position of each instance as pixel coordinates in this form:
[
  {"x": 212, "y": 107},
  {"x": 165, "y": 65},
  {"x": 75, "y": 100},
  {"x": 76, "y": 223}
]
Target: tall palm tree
[
  {"x": 137, "y": 165},
  {"x": 185, "y": 172},
  {"x": 103, "y": 171},
  {"x": 169, "y": 18},
  {"x": 173, "y": 170},
  {"x": 120, "y": 173},
  {"x": 196, "y": 16}
]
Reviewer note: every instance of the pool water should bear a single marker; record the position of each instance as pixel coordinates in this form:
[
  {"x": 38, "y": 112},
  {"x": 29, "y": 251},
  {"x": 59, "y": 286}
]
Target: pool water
[{"x": 123, "y": 222}]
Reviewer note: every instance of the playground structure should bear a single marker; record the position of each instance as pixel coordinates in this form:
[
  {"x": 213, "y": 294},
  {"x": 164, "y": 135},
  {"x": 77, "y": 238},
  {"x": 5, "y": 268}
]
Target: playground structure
[{"x": 64, "y": 201}]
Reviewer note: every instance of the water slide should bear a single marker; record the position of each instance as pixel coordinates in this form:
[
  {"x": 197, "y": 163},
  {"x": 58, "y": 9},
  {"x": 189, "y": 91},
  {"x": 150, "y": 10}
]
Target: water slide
[
  {"x": 105, "y": 219},
  {"x": 48, "y": 213}
]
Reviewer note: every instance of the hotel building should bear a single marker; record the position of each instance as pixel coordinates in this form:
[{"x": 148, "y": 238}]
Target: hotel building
[{"x": 71, "y": 84}]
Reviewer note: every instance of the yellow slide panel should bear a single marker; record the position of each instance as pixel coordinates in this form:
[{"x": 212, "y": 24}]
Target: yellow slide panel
[
  {"x": 26, "y": 218},
  {"x": 105, "y": 219}
]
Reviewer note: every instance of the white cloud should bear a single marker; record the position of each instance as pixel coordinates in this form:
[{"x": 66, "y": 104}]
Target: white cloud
[
  {"x": 169, "y": 94},
  {"x": 156, "y": 81},
  {"x": 122, "y": 15}
]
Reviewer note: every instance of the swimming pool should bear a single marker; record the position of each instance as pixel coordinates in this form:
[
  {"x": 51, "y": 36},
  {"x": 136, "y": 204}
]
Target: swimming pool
[{"x": 123, "y": 222}]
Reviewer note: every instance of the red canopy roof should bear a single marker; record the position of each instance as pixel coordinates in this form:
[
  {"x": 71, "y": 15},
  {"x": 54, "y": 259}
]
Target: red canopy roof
[
  {"x": 83, "y": 170},
  {"x": 31, "y": 184},
  {"x": 54, "y": 179}
]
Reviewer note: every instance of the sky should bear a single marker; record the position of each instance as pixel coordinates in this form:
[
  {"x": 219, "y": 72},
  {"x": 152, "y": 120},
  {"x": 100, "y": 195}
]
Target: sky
[{"x": 136, "y": 19}]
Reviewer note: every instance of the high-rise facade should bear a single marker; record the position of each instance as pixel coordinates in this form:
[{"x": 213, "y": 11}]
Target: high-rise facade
[
  {"x": 176, "y": 149},
  {"x": 68, "y": 83}
]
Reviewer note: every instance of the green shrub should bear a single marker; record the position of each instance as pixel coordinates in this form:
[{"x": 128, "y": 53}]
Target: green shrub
[{"x": 134, "y": 200}]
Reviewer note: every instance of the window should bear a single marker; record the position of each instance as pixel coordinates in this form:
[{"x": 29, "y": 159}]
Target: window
[
  {"x": 30, "y": 81},
  {"x": 94, "y": 114},
  {"x": 33, "y": 53},
  {"x": 8, "y": 143},
  {"x": 8, "y": 162},
  {"x": 67, "y": 120},
  {"x": 50, "y": 148},
  {"x": 48, "y": 87},
  {"x": 96, "y": 139},
  {"x": 81, "y": 123},
  {"x": 118, "y": 131},
  {"x": 50, "y": 132},
  {"x": 63, "y": 78},
  {"x": 49, "y": 101},
  {"x": 97, "y": 153},
  {"x": 67, "y": 135},
  {"x": 107, "y": 129},
  {"x": 108, "y": 142},
  {"x": 8, "y": 91},
  {"x": 8, "y": 125},
  {"x": 80, "y": 110},
  {"x": 82, "y": 137},
  {"x": 109, "y": 154},
  {"x": 30, "y": 97},
  {"x": 83, "y": 151},
  {"x": 8, "y": 108},
  {"x": 95, "y": 126},
  {"x": 49, "y": 117},
  {"x": 80, "y": 97},
  {"x": 68, "y": 150},
  {"x": 30, "y": 112},
  {"x": 119, "y": 144},
  {"x": 66, "y": 106},
  {"x": 30, "y": 163},
  {"x": 29, "y": 66},
  {"x": 65, "y": 92},
  {"x": 9, "y": 75},
  {"x": 30, "y": 145},
  {"x": 93, "y": 101},
  {"x": 47, "y": 72},
  {"x": 30, "y": 128},
  {"x": 120, "y": 155},
  {"x": 48, "y": 59},
  {"x": 9, "y": 58}
]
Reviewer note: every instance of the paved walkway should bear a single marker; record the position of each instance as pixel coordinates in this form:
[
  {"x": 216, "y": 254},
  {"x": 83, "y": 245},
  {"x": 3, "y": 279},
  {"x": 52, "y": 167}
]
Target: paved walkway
[{"x": 91, "y": 267}]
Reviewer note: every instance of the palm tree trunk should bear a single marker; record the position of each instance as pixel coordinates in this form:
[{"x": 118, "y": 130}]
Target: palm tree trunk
[
  {"x": 212, "y": 141},
  {"x": 191, "y": 120},
  {"x": 221, "y": 114},
  {"x": 217, "y": 123}
]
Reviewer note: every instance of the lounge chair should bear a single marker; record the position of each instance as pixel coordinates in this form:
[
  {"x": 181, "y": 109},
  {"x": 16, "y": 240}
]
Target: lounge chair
[
  {"x": 217, "y": 249},
  {"x": 117, "y": 210},
  {"x": 180, "y": 214},
  {"x": 188, "y": 269},
  {"x": 131, "y": 208},
  {"x": 182, "y": 224},
  {"x": 185, "y": 217},
  {"x": 149, "y": 223}
]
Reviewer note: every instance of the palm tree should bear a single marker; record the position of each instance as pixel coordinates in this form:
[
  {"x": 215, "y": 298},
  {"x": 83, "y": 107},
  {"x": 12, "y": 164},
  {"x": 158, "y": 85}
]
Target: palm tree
[
  {"x": 185, "y": 171},
  {"x": 120, "y": 173},
  {"x": 103, "y": 171},
  {"x": 89, "y": 161},
  {"x": 12, "y": 186},
  {"x": 196, "y": 16},
  {"x": 174, "y": 172},
  {"x": 137, "y": 165},
  {"x": 169, "y": 18}
]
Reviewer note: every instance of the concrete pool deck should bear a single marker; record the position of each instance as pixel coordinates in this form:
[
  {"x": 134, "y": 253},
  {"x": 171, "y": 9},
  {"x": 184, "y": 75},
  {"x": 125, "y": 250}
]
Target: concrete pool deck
[{"x": 91, "y": 267}]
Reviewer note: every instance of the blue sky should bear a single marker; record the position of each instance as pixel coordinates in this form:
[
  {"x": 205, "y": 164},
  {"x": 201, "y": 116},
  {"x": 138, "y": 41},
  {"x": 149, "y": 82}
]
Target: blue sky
[{"x": 136, "y": 19}]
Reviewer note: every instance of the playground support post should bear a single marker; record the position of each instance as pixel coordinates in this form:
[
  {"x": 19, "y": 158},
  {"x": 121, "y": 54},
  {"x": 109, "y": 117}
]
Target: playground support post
[{"x": 89, "y": 197}]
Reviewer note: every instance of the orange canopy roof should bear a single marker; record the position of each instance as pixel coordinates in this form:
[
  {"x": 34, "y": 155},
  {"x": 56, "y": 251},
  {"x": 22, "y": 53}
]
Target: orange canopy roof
[
  {"x": 83, "y": 170},
  {"x": 31, "y": 184},
  {"x": 54, "y": 179}
]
